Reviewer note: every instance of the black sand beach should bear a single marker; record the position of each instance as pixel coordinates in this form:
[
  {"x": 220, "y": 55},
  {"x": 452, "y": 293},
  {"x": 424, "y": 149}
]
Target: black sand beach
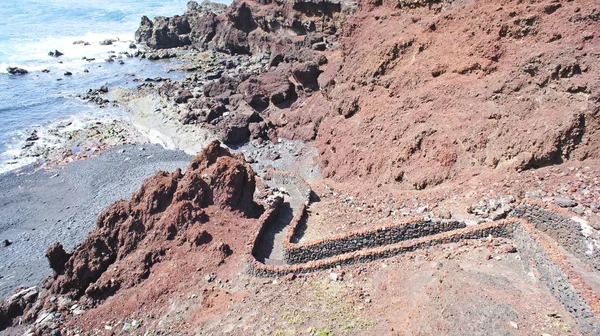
[{"x": 41, "y": 206}]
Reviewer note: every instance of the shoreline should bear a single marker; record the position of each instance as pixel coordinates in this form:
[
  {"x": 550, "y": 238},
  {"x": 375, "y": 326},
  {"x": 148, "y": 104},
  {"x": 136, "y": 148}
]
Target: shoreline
[{"x": 61, "y": 203}]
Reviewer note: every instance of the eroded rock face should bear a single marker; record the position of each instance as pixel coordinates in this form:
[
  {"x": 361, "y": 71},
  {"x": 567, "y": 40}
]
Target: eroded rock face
[
  {"x": 198, "y": 24},
  {"x": 168, "y": 207},
  {"x": 163, "y": 32},
  {"x": 246, "y": 27},
  {"x": 57, "y": 257}
]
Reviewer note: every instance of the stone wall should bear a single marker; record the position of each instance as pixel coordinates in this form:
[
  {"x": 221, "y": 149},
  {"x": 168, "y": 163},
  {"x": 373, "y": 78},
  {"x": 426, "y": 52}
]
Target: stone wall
[
  {"x": 567, "y": 232},
  {"x": 326, "y": 248},
  {"x": 496, "y": 229},
  {"x": 270, "y": 214},
  {"x": 562, "y": 282},
  {"x": 538, "y": 248}
]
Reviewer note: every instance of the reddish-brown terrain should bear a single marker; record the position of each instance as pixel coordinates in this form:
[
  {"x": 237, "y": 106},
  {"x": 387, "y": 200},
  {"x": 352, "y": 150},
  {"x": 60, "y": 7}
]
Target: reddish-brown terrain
[{"x": 443, "y": 109}]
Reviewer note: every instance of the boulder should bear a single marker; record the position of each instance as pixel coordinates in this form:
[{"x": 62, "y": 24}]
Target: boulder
[
  {"x": 565, "y": 202},
  {"x": 184, "y": 96},
  {"x": 277, "y": 85},
  {"x": 163, "y": 32},
  {"x": 16, "y": 71},
  {"x": 107, "y": 42},
  {"x": 220, "y": 86},
  {"x": 55, "y": 53},
  {"x": 269, "y": 87},
  {"x": 307, "y": 74},
  {"x": 57, "y": 257},
  {"x": 204, "y": 30},
  {"x": 234, "y": 130}
]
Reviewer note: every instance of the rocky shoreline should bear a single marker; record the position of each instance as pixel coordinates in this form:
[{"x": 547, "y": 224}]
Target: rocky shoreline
[
  {"x": 307, "y": 87},
  {"x": 236, "y": 83},
  {"x": 61, "y": 203}
]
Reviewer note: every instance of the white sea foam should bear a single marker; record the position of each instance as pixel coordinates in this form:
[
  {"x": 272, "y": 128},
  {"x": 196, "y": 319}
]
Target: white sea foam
[
  {"x": 50, "y": 136},
  {"x": 33, "y": 56}
]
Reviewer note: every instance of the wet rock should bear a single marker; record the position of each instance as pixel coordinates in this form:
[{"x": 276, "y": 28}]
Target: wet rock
[
  {"x": 107, "y": 42},
  {"x": 161, "y": 55},
  {"x": 16, "y": 71},
  {"x": 163, "y": 32},
  {"x": 33, "y": 137},
  {"x": 55, "y": 53}
]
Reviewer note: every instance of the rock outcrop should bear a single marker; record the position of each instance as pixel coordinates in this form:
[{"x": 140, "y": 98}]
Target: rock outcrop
[
  {"x": 246, "y": 27},
  {"x": 169, "y": 207},
  {"x": 16, "y": 71}
]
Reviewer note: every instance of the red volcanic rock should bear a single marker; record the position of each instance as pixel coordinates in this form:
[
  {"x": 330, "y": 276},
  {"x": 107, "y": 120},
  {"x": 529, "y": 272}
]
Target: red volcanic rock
[
  {"x": 169, "y": 207},
  {"x": 57, "y": 257},
  {"x": 270, "y": 87},
  {"x": 307, "y": 74},
  {"x": 417, "y": 96}
]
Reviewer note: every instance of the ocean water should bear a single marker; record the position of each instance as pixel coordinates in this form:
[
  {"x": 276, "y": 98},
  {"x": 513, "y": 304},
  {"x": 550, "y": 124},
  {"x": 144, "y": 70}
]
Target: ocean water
[{"x": 29, "y": 29}]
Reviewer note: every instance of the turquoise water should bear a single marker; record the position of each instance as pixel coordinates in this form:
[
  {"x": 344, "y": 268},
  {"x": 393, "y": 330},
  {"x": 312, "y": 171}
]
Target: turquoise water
[{"x": 29, "y": 29}]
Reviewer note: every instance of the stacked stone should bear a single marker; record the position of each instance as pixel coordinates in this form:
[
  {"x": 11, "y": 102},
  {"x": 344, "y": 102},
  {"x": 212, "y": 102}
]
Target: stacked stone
[
  {"x": 547, "y": 260},
  {"x": 567, "y": 232},
  {"x": 302, "y": 253},
  {"x": 496, "y": 229}
]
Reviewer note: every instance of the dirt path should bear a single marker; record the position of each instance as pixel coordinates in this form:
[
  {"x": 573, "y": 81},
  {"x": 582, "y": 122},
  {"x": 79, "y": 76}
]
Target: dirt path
[{"x": 270, "y": 249}]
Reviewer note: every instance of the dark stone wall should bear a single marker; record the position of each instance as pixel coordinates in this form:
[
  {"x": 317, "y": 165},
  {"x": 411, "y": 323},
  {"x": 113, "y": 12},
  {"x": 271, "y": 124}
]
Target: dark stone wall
[
  {"x": 497, "y": 229},
  {"x": 564, "y": 230},
  {"x": 301, "y": 253},
  {"x": 557, "y": 282}
]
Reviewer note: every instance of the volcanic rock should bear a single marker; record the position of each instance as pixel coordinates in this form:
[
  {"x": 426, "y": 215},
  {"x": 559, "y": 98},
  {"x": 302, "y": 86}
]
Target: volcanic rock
[
  {"x": 15, "y": 304},
  {"x": 57, "y": 257},
  {"x": 184, "y": 96},
  {"x": 163, "y": 32},
  {"x": 107, "y": 42},
  {"x": 168, "y": 207},
  {"x": 307, "y": 74},
  {"x": 565, "y": 202},
  {"x": 16, "y": 71},
  {"x": 55, "y": 53}
]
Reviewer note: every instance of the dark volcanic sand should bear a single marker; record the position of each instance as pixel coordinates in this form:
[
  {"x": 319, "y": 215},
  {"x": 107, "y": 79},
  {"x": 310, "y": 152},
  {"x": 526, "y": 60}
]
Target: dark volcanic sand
[{"x": 38, "y": 208}]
